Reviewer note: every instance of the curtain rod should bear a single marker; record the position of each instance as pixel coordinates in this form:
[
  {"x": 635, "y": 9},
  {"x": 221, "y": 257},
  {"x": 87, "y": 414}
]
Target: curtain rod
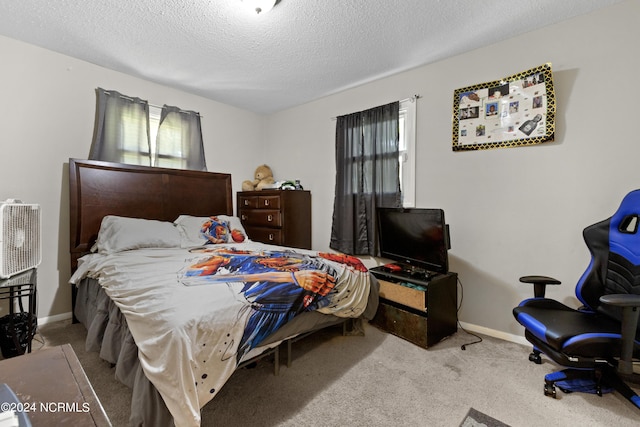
[
  {"x": 151, "y": 105},
  {"x": 413, "y": 98}
]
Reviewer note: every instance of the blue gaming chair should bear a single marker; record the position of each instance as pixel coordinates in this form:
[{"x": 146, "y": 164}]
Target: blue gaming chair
[{"x": 599, "y": 342}]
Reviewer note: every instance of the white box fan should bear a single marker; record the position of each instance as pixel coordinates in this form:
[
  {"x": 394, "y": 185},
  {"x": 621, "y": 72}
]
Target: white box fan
[{"x": 20, "y": 237}]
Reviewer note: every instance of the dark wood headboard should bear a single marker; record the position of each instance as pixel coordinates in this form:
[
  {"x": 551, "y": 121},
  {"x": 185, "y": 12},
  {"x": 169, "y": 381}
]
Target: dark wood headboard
[{"x": 97, "y": 189}]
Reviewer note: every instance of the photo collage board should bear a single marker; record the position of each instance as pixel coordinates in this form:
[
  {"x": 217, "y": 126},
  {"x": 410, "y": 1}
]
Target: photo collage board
[{"x": 515, "y": 111}]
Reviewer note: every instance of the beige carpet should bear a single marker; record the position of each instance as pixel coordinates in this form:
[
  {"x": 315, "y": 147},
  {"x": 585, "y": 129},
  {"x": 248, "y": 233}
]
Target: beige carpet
[{"x": 376, "y": 380}]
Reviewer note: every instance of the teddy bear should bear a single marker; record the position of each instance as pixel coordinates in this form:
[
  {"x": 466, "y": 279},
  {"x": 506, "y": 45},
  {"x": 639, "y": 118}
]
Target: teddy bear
[{"x": 263, "y": 177}]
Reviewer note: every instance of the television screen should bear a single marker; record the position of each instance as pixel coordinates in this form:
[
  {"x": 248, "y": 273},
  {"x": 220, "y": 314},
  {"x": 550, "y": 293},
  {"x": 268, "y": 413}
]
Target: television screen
[{"x": 416, "y": 237}]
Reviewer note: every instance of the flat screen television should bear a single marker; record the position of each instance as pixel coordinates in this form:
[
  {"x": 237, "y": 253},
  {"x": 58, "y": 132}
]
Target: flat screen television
[{"x": 416, "y": 238}]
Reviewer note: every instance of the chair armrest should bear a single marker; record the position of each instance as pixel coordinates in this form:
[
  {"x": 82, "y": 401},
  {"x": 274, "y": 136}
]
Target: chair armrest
[
  {"x": 621, "y": 300},
  {"x": 630, "y": 314},
  {"x": 539, "y": 284}
]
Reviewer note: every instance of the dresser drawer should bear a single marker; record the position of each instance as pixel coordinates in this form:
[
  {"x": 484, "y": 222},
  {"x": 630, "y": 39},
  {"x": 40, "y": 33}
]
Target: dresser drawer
[
  {"x": 261, "y": 217},
  {"x": 265, "y": 235},
  {"x": 269, "y": 202},
  {"x": 410, "y": 326},
  {"x": 259, "y": 202},
  {"x": 247, "y": 202},
  {"x": 413, "y": 296}
]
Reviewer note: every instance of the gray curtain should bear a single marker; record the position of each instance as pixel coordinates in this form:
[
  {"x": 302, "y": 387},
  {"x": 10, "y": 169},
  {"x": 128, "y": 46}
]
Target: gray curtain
[
  {"x": 122, "y": 129},
  {"x": 179, "y": 132},
  {"x": 367, "y": 176}
]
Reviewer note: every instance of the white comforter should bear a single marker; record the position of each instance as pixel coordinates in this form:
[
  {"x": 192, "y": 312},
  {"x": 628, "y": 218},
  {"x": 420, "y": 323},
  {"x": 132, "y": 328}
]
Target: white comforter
[{"x": 188, "y": 327}]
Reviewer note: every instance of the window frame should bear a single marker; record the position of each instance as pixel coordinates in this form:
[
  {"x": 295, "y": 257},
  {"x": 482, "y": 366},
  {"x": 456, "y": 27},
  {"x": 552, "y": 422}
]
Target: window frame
[{"x": 407, "y": 151}]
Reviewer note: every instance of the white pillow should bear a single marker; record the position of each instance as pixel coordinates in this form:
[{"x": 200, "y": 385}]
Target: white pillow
[
  {"x": 119, "y": 234},
  {"x": 198, "y": 231}
]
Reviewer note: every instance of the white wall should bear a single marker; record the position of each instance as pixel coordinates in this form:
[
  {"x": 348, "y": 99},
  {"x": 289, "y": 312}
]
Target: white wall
[
  {"x": 47, "y": 115},
  {"x": 512, "y": 211}
]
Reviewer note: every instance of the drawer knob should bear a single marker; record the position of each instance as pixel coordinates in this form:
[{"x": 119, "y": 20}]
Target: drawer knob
[
  {"x": 243, "y": 217},
  {"x": 271, "y": 237},
  {"x": 266, "y": 202},
  {"x": 246, "y": 202},
  {"x": 269, "y": 218}
]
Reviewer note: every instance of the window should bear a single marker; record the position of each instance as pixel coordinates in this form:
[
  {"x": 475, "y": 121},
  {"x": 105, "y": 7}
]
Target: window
[
  {"x": 171, "y": 156},
  {"x": 407, "y": 151},
  {"x": 129, "y": 130}
]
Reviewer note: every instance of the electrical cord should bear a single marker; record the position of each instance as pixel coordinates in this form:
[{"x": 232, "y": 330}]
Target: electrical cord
[
  {"x": 37, "y": 337},
  {"x": 479, "y": 338}
]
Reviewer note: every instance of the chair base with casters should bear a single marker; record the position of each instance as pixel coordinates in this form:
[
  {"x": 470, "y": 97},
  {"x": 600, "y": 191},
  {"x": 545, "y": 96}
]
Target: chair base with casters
[
  {"x": 587, "y": 374},
  {"x": 598, "y": 342}
]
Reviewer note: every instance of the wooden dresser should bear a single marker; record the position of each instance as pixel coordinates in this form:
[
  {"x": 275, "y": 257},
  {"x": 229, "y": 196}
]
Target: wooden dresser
[{"x": 278, "y": 217}]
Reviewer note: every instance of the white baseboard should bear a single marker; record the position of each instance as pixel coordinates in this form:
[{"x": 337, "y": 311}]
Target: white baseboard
[
  {"x": 495, "y": 334},
  {"x": 54, "y": 318}
]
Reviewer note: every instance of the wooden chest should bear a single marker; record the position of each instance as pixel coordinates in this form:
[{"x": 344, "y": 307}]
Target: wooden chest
[
  {"x": 278, "y": 217},
  {"x": 422, "y": 313}
]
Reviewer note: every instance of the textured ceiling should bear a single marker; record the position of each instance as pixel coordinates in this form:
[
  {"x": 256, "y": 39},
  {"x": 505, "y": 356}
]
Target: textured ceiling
[{"x": 300, "y": 51}]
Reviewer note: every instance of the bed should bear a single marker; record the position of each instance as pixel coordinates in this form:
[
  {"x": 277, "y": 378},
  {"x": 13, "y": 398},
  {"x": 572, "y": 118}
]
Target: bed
[{"x": 177, "y": 297}]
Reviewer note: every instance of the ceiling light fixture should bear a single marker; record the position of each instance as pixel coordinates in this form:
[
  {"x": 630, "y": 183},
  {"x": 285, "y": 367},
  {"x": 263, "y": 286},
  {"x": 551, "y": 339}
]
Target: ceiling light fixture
[{"x": 259, "y": 6}]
